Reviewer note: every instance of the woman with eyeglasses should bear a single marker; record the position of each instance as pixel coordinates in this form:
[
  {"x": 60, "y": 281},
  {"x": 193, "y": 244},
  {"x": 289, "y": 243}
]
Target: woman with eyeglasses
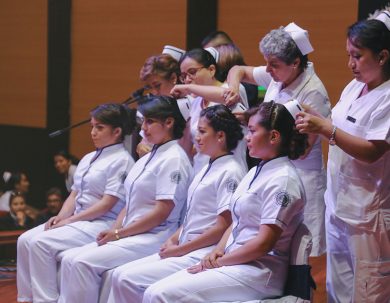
[
  {"x": 156, "y": 191},
  {"x": 97, "y": 197},
  {"x": 200, "y": 75}
]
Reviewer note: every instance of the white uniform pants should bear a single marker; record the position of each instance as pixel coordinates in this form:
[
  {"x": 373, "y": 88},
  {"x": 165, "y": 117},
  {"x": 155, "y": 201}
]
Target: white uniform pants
[
  {"x": 314, "y": 182},
  {"x": 132, "y": 279},
  {"x": 37, "y": 255},
  {"x": 206, "y": 286},
  {"x": 82, "y": 268},
  {"x": 358, "y": 262}
]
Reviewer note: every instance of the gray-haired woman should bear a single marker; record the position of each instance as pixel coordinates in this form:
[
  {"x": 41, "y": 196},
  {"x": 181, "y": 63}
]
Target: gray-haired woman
[{"x": 289, "y": 75}]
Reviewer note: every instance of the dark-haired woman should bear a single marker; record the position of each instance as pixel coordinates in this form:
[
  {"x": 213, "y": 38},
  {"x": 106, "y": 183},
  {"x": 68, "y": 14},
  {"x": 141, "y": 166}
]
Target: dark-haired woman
[
  {"x": 156, "y": 191},
  {"x": 251, "y": 260},
  {"x": 202, "y": 79},
  {"x": 15, "y": 181},
  {"x": 207, "y": 215},
  {"x": 64, "y": 164},
  {"x": 358, "y": 192},
  {"x": 96, "y": 199},
  {"x": 17, "y": 218},
  {"x": 289, "y": 75}
]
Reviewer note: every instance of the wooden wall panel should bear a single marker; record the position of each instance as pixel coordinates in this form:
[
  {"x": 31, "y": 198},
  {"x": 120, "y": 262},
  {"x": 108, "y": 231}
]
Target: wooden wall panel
[
  {"x": 23, "y": 52},
  {"x": 110, "y": 42},
  {"x": 247, "y": 22}
]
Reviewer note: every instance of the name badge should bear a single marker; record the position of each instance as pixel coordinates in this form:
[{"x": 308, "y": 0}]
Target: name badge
[{"x": 351, "y": 119}]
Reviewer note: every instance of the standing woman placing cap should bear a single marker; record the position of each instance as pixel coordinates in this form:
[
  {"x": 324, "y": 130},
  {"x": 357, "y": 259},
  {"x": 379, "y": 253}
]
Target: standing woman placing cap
[
  {"x": 251, "y": 260},
  {"x": 96, "y": 199},
  {"x": 201, "y": 78},
  {"x": 358, "y": 192},
  {"x": 289, "y": 75},
  {"x": 156, "y": 191}
]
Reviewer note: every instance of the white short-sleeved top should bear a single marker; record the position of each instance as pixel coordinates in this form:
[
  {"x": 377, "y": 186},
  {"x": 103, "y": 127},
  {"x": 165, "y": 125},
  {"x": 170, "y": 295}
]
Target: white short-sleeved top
[
  {"x": 209, "y": 195},
  {"x": 99, "y": 173},
  {"x": 4, "y": 200},
  {"x": 271, "y": 193},
  {"x": 308, "y": 89},
  {"x": 163, "y": 174},
  {"x": 200, "y": 160},
  {"x": 357, "y": 191}
]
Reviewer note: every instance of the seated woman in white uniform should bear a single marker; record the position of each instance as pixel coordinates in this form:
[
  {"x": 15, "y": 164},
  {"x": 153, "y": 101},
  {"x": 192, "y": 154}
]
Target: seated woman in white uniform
[
  {"x": 251, "y": 260},
  {"x": 201, "y": 77},
  {"x": 156, "y": 191},
  {"x": 289, "y": 75},
  {"x": 207, "y": 215},
  {"x": 358, "y": 192},
  {"x": 96, "y": 199}
]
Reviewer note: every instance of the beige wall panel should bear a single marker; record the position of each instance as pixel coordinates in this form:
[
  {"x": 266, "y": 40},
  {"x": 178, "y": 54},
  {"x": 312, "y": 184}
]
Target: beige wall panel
[
  {"x": 110, "y": 42},
  {"x": 248, "y": 21},
  {"x": 23, "y": 36}
]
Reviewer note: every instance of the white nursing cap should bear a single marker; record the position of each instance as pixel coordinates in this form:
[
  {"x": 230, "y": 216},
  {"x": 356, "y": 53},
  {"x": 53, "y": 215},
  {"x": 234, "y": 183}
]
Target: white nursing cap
[
  {"x": 293, "y": 107},
  {"x": 385, "y": 18},
  {"x": 184, "y": 107},
  {"x": 176, "y": 53},
  {"x": 213, "y": 51},
  {"x": 300, "y": 37}
]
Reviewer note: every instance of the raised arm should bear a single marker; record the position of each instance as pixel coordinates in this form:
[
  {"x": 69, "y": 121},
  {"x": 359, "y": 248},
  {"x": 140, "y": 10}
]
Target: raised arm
[
  {"x": 364, "y": 150},
  {"x": 208, "y": 92}
]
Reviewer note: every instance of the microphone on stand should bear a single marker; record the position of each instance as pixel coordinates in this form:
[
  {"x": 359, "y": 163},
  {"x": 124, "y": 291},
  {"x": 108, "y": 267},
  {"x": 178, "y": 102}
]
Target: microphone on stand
[{"x": 134, "y": 97}]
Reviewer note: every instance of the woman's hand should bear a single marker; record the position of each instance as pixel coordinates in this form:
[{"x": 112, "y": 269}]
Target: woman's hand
[
  {"x": 21, "y": 217},
  {"x": 143, "y": 148},
  {"x": 180, "y": 90},
  {"x": 231, "y": 97},
  {"x": 210, "y": 260},
  {"x": 194, "y": 269},
  {"x": 61, "y": 223},
  {"x": 106, "y": 236},
  {"x": 171, "y": 251},
  {"x": 53, "y": 222},
  {"x": 311, "y": 122}
]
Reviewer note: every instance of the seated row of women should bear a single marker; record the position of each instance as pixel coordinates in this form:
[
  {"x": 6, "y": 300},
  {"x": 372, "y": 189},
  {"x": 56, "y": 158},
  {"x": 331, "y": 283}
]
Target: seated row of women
[
  {"x": 124, "y": 233},
  {"x": 120, "y": 211}
]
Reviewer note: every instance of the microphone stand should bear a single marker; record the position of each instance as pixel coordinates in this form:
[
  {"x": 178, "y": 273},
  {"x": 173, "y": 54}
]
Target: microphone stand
[{"x": 136, "y": 96}]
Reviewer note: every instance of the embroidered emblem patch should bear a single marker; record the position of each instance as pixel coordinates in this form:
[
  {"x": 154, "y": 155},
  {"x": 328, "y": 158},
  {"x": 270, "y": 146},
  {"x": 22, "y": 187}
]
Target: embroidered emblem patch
[
  {"x": 176, "y": 177},
  {"x": 282, "y": 199},
  {"x": 231, "y": 185}
]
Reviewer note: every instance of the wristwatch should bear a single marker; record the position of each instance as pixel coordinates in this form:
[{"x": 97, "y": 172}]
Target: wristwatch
[
  {"x": 332, "y": 139},
  {"x": 117, "y": 234}
]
